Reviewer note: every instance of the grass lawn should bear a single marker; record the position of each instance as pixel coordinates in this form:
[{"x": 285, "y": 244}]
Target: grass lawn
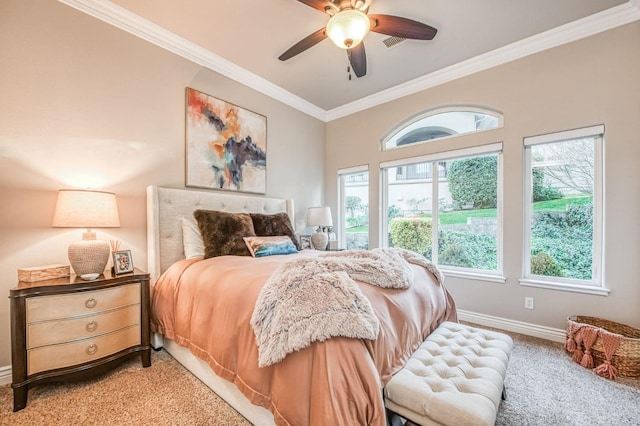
[
  {"x": 460, "y": 216},
  {"x": 560, "y": 204}
]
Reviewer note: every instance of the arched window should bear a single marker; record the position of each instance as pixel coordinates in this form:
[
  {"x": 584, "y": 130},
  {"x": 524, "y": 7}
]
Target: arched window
[{"x": 440, "y": 123}]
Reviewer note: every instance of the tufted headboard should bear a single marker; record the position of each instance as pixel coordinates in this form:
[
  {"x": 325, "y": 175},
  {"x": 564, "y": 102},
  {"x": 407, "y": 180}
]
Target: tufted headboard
[{"x": 166, "y": 207}]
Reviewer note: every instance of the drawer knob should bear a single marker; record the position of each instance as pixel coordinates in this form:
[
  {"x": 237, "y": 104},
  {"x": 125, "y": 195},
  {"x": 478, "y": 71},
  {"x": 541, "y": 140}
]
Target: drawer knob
[
  {"x": 92, "y": 349},
  {"x": 91, "y": 303},
  {"x": 91, "y": 326}
]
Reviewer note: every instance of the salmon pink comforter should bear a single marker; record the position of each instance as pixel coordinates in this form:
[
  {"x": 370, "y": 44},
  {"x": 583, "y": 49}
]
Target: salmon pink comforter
[{"x": 206, "y": 306}]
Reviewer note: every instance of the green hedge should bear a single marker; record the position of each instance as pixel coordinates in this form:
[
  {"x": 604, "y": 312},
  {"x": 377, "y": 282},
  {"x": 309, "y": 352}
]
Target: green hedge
[
  {"x": 411, "y": 233},
  {"x": 566, "y": 237},
  {"x": 468, "y": 250}
]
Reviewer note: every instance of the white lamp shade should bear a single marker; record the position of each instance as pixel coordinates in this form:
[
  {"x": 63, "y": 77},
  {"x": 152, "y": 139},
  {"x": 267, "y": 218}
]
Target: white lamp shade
[
  {"x": 348, "y": 27},
  {"x": 86, "y": 209},
  {"x": 319, "y": 216}
]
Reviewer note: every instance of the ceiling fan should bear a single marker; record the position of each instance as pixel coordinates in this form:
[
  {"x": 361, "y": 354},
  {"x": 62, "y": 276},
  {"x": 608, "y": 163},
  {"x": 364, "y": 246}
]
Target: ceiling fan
[{"x": 350, "y": 23}]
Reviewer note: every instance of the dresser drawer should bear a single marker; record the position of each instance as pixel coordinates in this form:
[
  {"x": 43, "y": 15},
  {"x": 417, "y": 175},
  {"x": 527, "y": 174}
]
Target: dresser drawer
[
  {"x": 68, "y": 354},
  {"x": 45, "y": 308},
  {"x": 67, "y": 330}
]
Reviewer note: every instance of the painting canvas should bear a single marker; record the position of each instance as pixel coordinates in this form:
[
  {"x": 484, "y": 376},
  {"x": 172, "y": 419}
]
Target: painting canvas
[{"x": 226, "y": 145}]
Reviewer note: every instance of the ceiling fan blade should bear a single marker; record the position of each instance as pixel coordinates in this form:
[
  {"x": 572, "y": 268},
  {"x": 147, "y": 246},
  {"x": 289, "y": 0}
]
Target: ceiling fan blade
[
  {"x": 358, "y": 60},
  {"x": 321, "y": 5},
  {"x": 401, "y": 27},
  {"x": 304, "y": 44}
]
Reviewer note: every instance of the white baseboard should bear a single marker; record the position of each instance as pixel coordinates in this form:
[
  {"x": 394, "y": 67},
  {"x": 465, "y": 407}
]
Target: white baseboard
[
  {"x": 5, "y": 375},
  {"x": 553, "y": 334}
]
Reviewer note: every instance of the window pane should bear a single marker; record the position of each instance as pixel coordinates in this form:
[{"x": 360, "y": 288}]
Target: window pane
[
  {"x": 409, "y": 193},
  {"x": 467, "y": 213},
  {"x": 561, "y": 226},
  {"x": 436, "y": 125},
  {"x": 356, "y": 210},
  {"x": 461, "y": 194}
]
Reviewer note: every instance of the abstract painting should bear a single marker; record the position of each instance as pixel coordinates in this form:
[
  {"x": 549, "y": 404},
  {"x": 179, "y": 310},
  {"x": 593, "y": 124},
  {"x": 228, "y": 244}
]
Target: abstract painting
[{"x": 226, "y": 145}]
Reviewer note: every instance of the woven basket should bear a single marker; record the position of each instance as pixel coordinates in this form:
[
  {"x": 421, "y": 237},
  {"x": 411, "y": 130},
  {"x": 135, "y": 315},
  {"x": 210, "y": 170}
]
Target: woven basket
[{"x": 626, "y": 359}]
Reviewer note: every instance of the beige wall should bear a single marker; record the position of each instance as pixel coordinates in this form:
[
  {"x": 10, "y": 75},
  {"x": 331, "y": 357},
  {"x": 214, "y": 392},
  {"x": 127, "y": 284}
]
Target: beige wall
[
  {"x": 85, "y": 104},
  {"x": 589, "y": 82}
]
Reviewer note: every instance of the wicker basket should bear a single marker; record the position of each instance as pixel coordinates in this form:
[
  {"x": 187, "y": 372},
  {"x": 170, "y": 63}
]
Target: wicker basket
[{"x": 626, "y": 359}]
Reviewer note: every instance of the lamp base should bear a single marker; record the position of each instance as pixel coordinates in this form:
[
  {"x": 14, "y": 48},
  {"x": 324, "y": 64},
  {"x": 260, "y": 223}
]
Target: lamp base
[
  {"x": 319, "y": 240},
  {"x": 89, "y": 256}
]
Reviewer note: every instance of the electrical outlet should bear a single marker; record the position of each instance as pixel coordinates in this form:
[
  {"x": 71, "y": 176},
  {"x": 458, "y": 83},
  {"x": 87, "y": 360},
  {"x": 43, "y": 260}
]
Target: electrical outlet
[{"x": 528, "y": 302}]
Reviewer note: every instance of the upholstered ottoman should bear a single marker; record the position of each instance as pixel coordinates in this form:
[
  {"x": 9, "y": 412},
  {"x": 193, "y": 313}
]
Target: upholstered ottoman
[{"x": 456, "y": 377}]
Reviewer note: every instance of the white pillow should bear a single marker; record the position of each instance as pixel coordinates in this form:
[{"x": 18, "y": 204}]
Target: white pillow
[{"x": 191, "y": 239}]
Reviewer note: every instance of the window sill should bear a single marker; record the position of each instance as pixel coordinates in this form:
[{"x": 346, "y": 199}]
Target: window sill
[
  {"x": 474, "y": 276},
  {"x": 598, "y": 291}
]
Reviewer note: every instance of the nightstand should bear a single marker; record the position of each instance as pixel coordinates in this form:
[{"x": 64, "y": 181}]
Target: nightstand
[{"x": 70, "y": 329}]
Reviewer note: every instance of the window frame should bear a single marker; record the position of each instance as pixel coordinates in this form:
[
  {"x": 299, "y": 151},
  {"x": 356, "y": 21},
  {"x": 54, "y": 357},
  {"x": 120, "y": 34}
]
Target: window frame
[
  {"x": 342, "y": 173},
  {"x": 436, "y": 111},
  {"x": 478, "y": 274},
  {"x": 596, "y": 284}
]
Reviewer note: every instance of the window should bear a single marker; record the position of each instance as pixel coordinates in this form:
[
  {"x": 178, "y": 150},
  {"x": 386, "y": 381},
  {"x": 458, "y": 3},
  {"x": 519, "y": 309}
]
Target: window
[
  {"x": 441, "y": 123},
  {"x": 353, "y": 193},
  {"x": 452, "y": 216},
  {"x": 563, "y": 210}
]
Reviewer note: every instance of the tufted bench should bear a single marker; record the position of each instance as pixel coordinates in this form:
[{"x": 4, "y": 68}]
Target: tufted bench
[{"x": 456, "y": 377}]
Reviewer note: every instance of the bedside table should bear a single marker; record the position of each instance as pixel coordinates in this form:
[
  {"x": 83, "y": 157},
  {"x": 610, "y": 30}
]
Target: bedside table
[{"x": 70, "y": 329}]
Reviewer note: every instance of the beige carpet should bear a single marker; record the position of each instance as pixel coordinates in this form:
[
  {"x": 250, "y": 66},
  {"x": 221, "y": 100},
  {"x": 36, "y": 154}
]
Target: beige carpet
[
  {"x": 163, "y": 394},
  {"x": 544, "y": 387}
]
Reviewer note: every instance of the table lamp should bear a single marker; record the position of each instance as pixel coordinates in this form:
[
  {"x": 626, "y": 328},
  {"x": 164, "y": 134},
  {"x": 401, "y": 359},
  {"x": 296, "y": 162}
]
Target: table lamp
[
  {"x": 87, "y": 209},
  {"x": 320, "y": 217}
]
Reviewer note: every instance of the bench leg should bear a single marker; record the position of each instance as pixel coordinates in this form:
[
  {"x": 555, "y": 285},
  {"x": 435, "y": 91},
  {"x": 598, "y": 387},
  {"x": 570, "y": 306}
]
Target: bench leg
[
  {"x": 504, "y": 393},
  {"x": 393, "y": 419}
]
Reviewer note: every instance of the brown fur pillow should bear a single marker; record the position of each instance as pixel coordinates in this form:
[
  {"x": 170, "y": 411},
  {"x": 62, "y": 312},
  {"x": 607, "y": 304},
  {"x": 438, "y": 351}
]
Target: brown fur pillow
[
  {"x": 273, "y": 225},
  {"x": 222, "y": 232}
]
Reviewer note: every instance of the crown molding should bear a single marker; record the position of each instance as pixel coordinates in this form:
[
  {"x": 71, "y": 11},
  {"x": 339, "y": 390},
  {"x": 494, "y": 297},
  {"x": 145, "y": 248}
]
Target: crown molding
[
  {"x": 576, "y": 30},
  {"x": 127, "y": 21},
  {"x": 146, "y": 30}
]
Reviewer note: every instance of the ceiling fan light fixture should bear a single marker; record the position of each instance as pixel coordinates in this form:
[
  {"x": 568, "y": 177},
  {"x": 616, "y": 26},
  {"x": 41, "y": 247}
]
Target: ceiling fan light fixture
[{"x": 347, "y": 28}]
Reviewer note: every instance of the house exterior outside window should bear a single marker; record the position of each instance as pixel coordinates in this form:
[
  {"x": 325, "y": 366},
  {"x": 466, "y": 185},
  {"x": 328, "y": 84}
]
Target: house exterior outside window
[{"x": 564, "y": 210}]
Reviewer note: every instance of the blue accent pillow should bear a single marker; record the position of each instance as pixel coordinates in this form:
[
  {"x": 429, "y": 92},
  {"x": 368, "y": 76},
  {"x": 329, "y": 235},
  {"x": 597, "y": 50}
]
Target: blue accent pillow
[{"x": 269, "y": 246}]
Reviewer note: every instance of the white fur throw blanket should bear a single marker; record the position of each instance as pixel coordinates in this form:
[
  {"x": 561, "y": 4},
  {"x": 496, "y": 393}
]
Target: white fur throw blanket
[{"x": 313, "y": 299}]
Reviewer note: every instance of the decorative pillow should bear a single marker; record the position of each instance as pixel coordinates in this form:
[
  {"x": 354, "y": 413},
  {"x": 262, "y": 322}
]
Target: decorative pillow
[
  {"x": 271, "y": 225},
  {"x": 269, "y": 246},
  {"x": 222, "y": 232},
  {"x": 191, "y": 239}
]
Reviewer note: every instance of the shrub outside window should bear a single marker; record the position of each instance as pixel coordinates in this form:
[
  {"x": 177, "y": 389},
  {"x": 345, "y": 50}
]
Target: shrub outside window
[{"x": 563, "y": 211}]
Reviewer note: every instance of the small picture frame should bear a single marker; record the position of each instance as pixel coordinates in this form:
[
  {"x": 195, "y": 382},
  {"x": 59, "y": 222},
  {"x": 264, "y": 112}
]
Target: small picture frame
[
  {"x": 305, "y": 242},
  {"x": 122, "y": 262}
]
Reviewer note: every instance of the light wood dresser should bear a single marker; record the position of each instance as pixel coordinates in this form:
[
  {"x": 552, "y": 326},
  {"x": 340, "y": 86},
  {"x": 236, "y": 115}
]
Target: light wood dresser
[{"x": 70, "y": 329}]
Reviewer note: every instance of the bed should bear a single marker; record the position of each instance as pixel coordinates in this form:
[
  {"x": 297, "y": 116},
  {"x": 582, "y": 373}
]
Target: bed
[{"x": 334, "y": 381}]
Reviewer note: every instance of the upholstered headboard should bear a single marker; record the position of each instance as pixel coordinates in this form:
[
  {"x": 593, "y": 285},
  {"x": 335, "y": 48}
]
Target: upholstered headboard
[{"x": 166, "y": 207}]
